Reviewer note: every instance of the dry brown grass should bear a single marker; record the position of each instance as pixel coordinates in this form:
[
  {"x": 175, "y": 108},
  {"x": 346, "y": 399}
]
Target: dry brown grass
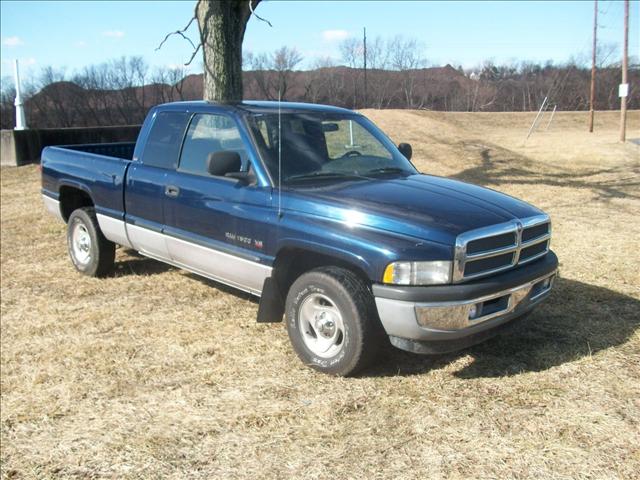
[{"x": 155, "y": 373}]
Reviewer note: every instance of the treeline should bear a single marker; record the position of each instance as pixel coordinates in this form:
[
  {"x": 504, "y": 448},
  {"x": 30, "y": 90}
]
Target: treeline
[
  {"x": 121, "y": 91},
  {"x": 118, "y": 92}
]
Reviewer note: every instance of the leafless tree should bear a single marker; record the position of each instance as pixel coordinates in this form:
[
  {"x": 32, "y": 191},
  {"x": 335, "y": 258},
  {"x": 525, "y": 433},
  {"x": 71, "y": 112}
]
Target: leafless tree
[
  {"x": 127, "y": 76},
  {"x": 380, "y": 91},
  {"x": 7, "y": 97},
  {"x": 325, "y": 82},
  {"x": 273, "y": 73},
  {"x": 378, "y": 53},
  {"x": 284, "y": 61},
  {"x": 56, "y": 96},
  {"x": 406, "y": 57},
  {"x": 352, "y": 50},
  {"x": 263, "y": 75}
]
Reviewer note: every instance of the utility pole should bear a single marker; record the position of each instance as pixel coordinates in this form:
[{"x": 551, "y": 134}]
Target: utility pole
[
  {"x": 593, "y": 65},
  {"x": 364, "y": 51},
  {"x": 624, "y": 87}
]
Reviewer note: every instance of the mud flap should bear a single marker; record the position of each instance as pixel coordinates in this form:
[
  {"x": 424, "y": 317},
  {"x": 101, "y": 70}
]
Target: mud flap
[{"x": 271, "y": 307}]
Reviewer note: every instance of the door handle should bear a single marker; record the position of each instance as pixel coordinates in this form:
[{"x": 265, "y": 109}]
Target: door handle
[{"x": 171, "y": 191}]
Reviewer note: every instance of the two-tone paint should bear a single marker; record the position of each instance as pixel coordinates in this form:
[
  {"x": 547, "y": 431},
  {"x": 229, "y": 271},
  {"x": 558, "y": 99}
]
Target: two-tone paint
[{"x": 232, "y": 232}]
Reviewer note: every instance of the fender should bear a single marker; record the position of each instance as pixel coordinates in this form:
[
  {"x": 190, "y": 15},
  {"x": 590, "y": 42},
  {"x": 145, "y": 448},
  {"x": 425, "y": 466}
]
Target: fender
[
  {"x": 272, "y": 300},
  {"x": 346, "y": 256},
  {"x": 74, "y": 184}
]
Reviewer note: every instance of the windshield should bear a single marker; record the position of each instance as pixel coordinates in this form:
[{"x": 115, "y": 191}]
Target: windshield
[{"x": 325, "y": 146}]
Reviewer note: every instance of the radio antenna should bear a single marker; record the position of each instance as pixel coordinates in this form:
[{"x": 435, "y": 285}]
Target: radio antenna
[{"x": 279, "y": 157}]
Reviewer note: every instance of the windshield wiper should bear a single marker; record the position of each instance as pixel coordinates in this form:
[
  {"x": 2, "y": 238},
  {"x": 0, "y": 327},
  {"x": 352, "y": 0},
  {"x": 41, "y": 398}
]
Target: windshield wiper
[
  {"x": 386, "y": 170},
  {"x": 320, "y": 175}
]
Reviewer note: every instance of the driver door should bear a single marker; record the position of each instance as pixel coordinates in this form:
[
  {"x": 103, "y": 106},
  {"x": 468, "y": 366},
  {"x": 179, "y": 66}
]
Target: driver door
[{"x": 215, "y": 225}]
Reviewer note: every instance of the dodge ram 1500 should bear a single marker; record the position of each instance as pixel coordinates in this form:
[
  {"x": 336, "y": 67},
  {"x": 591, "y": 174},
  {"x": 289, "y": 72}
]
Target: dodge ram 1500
[{"x": 314, "y": 210}]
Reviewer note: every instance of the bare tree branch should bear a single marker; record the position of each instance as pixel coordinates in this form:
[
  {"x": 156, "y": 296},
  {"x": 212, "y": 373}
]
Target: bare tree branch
[
  {"x": 258, "y": 16},
  {"x": 193, "y": 55},
  {"x": 196, "y": 49},
  {"x": 179, "y": 32}
]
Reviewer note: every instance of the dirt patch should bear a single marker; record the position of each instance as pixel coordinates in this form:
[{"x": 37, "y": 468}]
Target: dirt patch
[{"x": 154, "y": 372}]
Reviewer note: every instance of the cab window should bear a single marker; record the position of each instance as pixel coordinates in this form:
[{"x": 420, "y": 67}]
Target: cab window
[{"x": 207, "y": 134}]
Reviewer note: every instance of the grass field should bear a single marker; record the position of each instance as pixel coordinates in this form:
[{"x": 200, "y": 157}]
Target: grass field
[{"x": 155, "y": 373}]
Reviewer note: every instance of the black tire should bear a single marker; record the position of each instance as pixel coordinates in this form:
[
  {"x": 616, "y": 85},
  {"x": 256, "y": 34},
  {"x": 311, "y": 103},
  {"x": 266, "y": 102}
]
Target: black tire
[
  {"x": 100, "y": 253},
  {"x": 362, "y": 331}
]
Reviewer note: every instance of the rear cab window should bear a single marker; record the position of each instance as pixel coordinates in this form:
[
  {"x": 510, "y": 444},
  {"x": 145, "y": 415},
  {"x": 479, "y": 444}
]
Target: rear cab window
[{"x": 163, "y": 144}]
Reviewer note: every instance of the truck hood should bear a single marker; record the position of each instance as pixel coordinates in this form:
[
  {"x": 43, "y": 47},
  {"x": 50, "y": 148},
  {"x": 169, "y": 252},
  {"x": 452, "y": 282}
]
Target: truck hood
[{"x": 421, "y": 206}]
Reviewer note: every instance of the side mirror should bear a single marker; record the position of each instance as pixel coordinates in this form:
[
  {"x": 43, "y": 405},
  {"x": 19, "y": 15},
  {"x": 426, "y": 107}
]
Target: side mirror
[
  {"x": 223, "y": 162},
  {"x": 330, "y": 127},
  {"x": 406, "y": 150},
  {"x": 245, "y": 178}
]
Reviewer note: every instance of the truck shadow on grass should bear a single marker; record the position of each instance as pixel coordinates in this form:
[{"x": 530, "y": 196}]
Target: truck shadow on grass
[
  {"x": 139, "y": 265},
  {"x": 576, "y": 321},
  {"x": 500, "y": 166}
]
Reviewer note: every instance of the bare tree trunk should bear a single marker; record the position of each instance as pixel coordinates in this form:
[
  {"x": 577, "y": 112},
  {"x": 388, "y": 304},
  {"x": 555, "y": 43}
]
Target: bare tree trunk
[{"x": 222, "y": 26}]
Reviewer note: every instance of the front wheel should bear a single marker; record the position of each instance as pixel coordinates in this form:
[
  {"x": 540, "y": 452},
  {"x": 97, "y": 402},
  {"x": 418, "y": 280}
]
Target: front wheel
[
  {"x": 90, "y": 252},
  {"x": 332, "y": 321}
]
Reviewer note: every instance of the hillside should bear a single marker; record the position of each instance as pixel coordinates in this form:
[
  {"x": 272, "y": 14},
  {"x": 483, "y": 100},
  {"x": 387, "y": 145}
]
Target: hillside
[{"x": 105, "y": 97}]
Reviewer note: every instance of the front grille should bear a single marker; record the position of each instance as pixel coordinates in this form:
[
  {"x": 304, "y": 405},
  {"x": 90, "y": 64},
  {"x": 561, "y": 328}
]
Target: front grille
[
  {"x": 529, "y": 252},
  {"x": 489, "y": 263},
  {"x": 535, "y": 232},
  {"x": 496, "y": 248},
  {"x": 491, "y": 243}
]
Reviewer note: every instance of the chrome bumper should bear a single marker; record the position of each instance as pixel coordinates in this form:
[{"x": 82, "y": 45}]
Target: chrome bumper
[{"x": 455, "y": 320}]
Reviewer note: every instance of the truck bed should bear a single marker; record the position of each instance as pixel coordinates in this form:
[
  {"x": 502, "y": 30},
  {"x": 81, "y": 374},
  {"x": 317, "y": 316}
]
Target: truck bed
[{"x": 97, "y": 169}]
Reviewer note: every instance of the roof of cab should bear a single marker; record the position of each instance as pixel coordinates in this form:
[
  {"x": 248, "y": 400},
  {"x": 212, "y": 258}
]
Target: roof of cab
[{"x": 255, "y": 107}]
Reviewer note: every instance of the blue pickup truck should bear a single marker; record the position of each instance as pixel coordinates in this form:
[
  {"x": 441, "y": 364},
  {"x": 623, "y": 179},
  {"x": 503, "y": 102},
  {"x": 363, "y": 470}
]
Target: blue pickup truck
[{"x": 314, "y": 210}]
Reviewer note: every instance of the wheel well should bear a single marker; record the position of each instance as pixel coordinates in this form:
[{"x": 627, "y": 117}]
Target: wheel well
[
  {"x": 290, "y": 263},
  {"x": 71, "y": 199}
]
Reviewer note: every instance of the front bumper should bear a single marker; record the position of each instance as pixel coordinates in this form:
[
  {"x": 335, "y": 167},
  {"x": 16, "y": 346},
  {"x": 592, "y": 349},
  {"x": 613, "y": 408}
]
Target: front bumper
[{"x": 445, "y": 318}]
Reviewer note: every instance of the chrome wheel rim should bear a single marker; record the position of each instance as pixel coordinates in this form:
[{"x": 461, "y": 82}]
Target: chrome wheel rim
[
  {"x": 321, "y": 326},
  {"x": 81, "y": 244}
]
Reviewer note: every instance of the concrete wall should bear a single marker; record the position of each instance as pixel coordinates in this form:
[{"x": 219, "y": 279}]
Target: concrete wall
[{"x": 19, "y": 147}]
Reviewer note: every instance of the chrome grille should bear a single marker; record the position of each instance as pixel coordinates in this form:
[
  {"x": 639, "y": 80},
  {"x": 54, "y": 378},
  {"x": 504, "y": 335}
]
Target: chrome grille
[{"x": 500, "y": 247}]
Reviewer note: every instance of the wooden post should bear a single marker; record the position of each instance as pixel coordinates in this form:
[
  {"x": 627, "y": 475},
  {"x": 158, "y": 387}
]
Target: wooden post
[
  {"x": 593, "y": 65},
  {"x": 364, "y": 51},
  {"x": 625, "y": 54}
]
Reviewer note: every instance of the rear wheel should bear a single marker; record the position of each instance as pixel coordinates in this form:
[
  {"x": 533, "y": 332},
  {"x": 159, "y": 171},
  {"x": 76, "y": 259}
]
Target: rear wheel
[
  {"x": 332, "y": 321},
  {"x": 90, "y": 252}
]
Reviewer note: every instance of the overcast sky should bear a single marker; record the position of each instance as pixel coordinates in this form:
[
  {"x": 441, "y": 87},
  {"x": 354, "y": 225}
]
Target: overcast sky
[{"x": 75, "y": 34}]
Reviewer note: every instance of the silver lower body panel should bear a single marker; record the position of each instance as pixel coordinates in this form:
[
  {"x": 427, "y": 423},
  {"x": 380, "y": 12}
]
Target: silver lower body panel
[
  {"x": 114, "y": 230},
  {"x": 207, "y": 262},
  {"x": 53, "y": 207},
  {"x": 222, "y": 267}
]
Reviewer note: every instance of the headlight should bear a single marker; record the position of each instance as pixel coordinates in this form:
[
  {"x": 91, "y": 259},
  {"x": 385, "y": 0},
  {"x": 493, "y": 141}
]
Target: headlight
[{"x": 418, "y": 273}]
